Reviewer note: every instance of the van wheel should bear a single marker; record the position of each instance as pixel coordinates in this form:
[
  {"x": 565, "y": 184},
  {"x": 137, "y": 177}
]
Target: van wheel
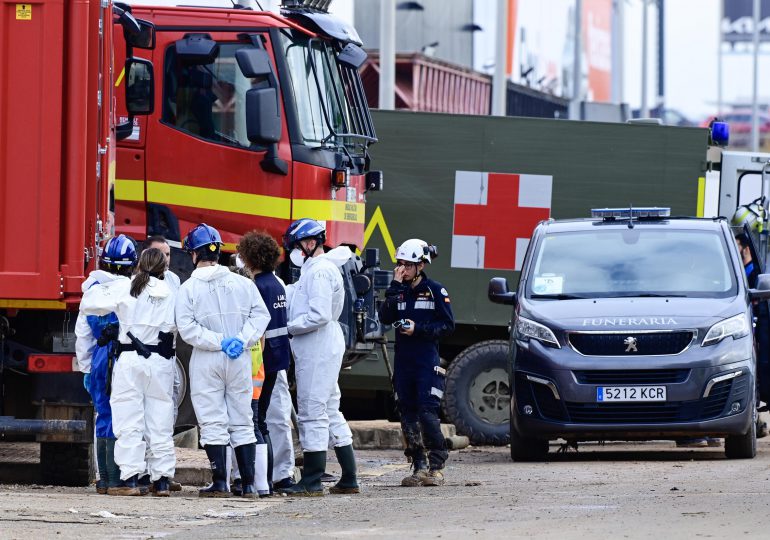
[
  {"x": 528, "y": 449},
  {"x": 743, "y": 446},
  {"x": 186, "y": 415},
  {"x": 478, "y": 393}
]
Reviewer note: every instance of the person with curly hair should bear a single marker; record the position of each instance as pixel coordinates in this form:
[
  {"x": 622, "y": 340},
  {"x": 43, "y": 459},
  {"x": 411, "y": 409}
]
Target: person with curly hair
[{"x": 260, "y": 253}]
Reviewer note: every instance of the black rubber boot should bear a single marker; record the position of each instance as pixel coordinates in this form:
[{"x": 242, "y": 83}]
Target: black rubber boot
[
  {"x": 348, "y": 483},
  {"x": 101, "y": 463},
  {"x": 236, "y": 488},
  {"x": 144, "y": 484},
  {"x": 217, "y": 454},
  {"x": 246, "y": 454},
  {"x": 310, "y": 485},
  {"x": 160, "y": 487}
]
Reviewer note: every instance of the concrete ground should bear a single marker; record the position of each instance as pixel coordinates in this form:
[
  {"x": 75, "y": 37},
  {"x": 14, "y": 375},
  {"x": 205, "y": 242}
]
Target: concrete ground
[{"x": 642, "y": 490}]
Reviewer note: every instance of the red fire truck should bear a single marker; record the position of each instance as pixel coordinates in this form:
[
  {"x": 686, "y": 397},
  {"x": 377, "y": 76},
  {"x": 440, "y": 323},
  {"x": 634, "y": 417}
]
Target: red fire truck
[
  {"x": 255, "y": 119},
  {"x": 57, "y": 150},
  {"x": 259, "y": 119}
]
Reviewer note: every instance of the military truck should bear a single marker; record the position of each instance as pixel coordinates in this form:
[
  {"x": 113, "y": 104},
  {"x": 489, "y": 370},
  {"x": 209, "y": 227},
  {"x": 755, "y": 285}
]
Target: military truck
[{"x": 476, "y": 186}]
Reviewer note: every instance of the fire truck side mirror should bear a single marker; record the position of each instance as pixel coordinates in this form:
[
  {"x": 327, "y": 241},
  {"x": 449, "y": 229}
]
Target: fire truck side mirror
[
  {"x": 263, "y": 121},
  {"x": 144, "y": 39},
  {"x": 140, "y": 87}
]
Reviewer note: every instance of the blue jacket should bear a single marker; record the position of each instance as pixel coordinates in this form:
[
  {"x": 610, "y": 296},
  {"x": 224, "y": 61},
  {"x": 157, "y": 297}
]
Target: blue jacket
[
  {"x": 429, "y": 307},
  {"x": 277, "y": 352}
]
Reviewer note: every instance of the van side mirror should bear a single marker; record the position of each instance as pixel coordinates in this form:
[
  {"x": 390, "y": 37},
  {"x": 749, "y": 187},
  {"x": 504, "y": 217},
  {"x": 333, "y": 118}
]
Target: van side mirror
[
  {"x": 762, "y": 292},
  {"x": 263, "y": 121},
  {"x": 140, "y": 87},
  {"x": 498, "y": 292}
]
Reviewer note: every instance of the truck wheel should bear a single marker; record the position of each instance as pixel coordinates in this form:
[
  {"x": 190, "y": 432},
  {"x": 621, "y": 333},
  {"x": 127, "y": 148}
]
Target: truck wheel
[
  {"x": 743, "y": 446},
  {"x": 186, "y": 416},
  {"x": 67, "y": 464},
  {"x": 477, "y": 397}
]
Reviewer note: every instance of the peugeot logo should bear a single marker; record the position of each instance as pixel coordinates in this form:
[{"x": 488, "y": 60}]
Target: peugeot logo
[{"x": 630, "y": 343}]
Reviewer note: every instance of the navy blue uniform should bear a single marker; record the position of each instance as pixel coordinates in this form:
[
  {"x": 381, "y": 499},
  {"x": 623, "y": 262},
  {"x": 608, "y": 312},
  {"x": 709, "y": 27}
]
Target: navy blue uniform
[
  {"x": 275, "y": 355},
  {"x": 418, "y": 377}
]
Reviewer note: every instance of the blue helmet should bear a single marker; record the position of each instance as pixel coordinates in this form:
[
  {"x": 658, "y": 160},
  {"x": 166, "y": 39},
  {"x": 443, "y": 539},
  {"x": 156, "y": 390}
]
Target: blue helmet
[
  {"x": 301, "y": 229},
  {"x": 118, "y": 251},
  {"x": 200, "y": 236}
]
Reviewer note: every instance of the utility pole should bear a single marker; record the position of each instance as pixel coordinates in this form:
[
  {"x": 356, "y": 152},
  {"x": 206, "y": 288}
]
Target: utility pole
[
  {"x": 499, "y": 80},
  {"x": 387, "y": 99},
  {"x": 719, "y": 57},
  {"x": 645, "y": 111},
  {"x": 577, "y": 69},
  {"x": 617, "y": 50},
  {"x": 755, "y": 83},
  {"x": 661, "y": 101}
]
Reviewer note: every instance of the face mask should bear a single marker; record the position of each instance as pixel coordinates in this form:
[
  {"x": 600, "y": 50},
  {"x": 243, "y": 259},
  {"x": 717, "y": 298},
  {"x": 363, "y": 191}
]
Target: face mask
[{"x": 297, "y": 257}]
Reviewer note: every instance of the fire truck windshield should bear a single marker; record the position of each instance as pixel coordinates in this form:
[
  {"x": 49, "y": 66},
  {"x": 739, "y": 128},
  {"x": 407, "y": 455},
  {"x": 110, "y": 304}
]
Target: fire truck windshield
[{"x": 329, "y": 96}]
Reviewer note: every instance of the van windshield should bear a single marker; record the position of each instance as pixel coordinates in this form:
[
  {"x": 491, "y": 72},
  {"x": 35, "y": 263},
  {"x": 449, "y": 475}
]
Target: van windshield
[{"x": 643, "y": 261}]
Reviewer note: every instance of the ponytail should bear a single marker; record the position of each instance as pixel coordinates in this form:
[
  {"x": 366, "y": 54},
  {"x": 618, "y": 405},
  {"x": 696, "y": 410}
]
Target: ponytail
[{"x": 152, "y": 263}]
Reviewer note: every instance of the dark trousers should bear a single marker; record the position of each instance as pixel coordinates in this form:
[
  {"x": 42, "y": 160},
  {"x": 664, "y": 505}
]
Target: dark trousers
[
  {"x": 419, "y": 389},
  {"x": 260, "y": 422}
]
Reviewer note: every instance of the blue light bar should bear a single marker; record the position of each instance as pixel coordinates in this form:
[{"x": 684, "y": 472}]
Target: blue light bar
[
  {"x": 627, "y": 213},
  {"x": 720, "y": 133}
]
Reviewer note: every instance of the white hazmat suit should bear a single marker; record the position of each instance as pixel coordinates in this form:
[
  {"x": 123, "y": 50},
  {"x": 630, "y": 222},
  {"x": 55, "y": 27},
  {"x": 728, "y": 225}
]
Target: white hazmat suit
[
  {"x": 141, "y": 398},
  {"x": 212, "y": 305},
  {"x": 315, "y": 304}
]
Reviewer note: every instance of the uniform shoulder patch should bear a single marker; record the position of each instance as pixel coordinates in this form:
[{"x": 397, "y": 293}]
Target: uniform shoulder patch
[{"x": 444, "y": 291}]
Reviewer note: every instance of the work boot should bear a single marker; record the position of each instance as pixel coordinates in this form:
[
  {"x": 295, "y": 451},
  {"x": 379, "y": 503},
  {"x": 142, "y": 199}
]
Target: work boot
[
  {"x": 246, "y": 455},
  {"x": 144, "y": 484},
  {"x": 310, "y": 484},
  {"x": 217, "y": 454},
  {"x": 236, "y": 488},
  {"x": 160, "y": 487},
  {"x": 101, "y": 463},
  {"x": 348, "y": 483},
  {"x": 419, "y": 473},
  {"x": 174, "y": 486},
  {"x": 435, "y": 477},
  {"x": 260, "y": 471},
  {"x": 284, "y": 483},
  {"x": 128, "y": 488}
]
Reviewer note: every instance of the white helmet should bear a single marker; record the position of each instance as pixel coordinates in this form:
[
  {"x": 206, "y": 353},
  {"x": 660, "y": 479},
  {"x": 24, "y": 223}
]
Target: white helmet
[
  {"x": 752, "y": 214},
  {"x": 414, "y": 250}
]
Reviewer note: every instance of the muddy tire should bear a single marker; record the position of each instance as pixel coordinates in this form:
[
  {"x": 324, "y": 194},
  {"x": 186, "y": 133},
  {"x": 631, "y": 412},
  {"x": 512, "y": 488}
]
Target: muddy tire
[
  {"x": 527, "y": 449},
  {"x": 477, "y": 396},
  {"x": 67, "y": 464}
]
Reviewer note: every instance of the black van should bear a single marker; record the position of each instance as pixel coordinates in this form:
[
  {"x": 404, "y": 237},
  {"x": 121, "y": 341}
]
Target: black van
[{"x": 632, "y": 325}]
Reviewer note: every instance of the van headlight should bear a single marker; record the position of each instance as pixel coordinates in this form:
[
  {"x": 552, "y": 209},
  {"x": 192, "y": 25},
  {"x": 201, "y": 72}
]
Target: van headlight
[
  {"x": 527, "y": 329},
  {"x": 735, "y": 327}
]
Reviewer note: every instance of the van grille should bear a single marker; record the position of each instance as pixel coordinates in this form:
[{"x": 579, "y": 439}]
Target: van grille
[
  {"x": 653, "y": 413},
  {"x": 632, "y": 376},
  {"x": 646, "y": 344}
]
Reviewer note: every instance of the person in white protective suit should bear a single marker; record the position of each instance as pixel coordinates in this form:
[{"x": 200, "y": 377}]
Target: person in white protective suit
[
  {"x": 143, "y": 376},
  {"x": 315, "y": 303},
  {"x": 221, "y": 314}
]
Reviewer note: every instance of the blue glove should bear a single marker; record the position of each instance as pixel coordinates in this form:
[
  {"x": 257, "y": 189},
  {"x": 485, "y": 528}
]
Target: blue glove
[
  {"x": 235, "y": 349},
  {"x": 87, "y": 382},
  {"x": 226, "y": 343}
]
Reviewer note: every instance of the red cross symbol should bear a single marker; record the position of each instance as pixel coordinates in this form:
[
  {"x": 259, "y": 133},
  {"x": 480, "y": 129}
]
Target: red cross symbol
[{"x": 501, "y": 221}]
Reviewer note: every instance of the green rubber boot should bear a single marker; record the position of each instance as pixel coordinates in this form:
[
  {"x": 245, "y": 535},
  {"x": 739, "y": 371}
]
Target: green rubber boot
[
  {"x": 101, "y": 464},
  {"x": 310, "y": 485},
  {"x": 348, "y": 483}
]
